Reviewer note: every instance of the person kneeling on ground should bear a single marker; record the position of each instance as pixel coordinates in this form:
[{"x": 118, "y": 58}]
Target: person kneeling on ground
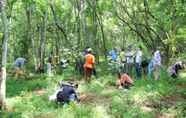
[
  {"x": 65, "y": 94},
  {"x": 173, "y": 70},
  {"x": 124, "y": 81}
]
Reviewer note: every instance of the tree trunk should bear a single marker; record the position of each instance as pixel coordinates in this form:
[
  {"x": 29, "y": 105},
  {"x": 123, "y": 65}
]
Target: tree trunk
[
  {"x": 4, "y": 56},
  {"x": 94, "y": 18},
  {"x": 59, "y": 26},
  {"x": 85, "y": 35},
  {"x": 100, "y": 21},
  {"x": 43, "y": 40},
  {"x": 34, "y": 51}
]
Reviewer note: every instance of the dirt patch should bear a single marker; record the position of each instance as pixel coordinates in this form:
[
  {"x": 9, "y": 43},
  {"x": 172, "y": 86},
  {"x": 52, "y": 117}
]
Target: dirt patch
[
  {"x": 165, "y": 115},
  {"x": 40, "y": 92},
  {"x": 181, "y": 86},
  {"x": 171, "y": 100},
  {"x": 91, "y": 98}
]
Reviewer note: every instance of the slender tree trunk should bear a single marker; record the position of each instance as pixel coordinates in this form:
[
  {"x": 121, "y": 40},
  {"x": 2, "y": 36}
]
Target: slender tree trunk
[
  {"x": 4, "y": 56},
  {"x": 34, "y": 51},
  {"x": 85, "y": 35},
  {"x": 59, "y": 26},
  {"x": 103, "y": 36},
  {"x": 30, "y": 34},
  {"x": 95, "y": 23},
  {"x": 43, "y": 40}
]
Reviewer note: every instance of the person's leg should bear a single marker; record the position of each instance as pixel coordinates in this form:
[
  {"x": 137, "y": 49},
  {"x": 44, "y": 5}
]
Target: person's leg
[
  {"x": 94, "y": 72},
  {"x": 89, "y": 70},
  {"x": 16, "y": 72},
  {"x": 127, "y": 67},
  {"x": 140, "y": 71},
  {"x": 85, "y": 74},
  {"x": 144, "y": 72},
  {"x": 130, "y": 69},
  {"x": 137, "y": 68},
  {"x": 156, "y": 72}
]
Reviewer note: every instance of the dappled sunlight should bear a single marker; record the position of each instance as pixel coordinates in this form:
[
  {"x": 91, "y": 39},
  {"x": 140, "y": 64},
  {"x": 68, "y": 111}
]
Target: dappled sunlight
[
  {"x": 100, "y": 99},
  {"x": 183, "y": 75},
  {"x": 139, "y": 95},
  {"x": 100, "y": 112}
]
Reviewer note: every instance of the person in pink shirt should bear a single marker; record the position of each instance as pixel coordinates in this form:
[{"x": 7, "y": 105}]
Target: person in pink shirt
[{"x": 124, "y": 81}]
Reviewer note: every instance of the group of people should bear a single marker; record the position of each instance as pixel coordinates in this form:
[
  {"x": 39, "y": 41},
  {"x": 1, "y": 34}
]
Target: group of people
[
  {"x": 136, "y": 59},
  {"x": 128, "y": 61}
]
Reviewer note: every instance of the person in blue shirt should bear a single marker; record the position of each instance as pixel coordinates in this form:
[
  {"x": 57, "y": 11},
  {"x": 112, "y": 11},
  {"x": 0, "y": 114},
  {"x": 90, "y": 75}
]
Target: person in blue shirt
[
  {"x": 113, "y": 54},
  {"x": 19, "y": 62},
  {"x": 19, "y": 67}
]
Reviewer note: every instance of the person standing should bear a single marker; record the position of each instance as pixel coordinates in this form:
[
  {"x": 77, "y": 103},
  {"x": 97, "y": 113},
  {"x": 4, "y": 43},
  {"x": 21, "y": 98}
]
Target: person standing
[
  {"x": 138, "y": 61},
  {"x": 150, "y": 68},
  {"x": 157, "y": 64},
  {"x": 89, "y": 65},
  {"x": 113, "y": 54},
  {"x": 123, "y": 60},
  {"x": 130, "y": 61}
]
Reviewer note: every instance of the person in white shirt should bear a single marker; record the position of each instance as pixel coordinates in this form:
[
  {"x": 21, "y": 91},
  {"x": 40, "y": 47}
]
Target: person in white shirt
[
  {"x": 138, "y": 61},
  {"x": 157, "y": 64}
]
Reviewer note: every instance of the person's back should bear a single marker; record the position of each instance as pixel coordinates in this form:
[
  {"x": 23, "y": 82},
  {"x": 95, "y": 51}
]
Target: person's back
[
  {"x": 173, "y": 70},
  {"x": 157, "y": 64},
  {"x": 122, "y": 56},
  {"x": 157, "y": 58},
  {"x": 113, "y": 55},
  {"x": 64, "y": 95},
  {"x": 89, "y": 65},
  {"x": 126, "y": 79},
  {"x": 138, "y": 58},
  {"x": 89, "y": 61},
  {"x": 129, "y": 57},
  {"x": 19, "y": 62}
]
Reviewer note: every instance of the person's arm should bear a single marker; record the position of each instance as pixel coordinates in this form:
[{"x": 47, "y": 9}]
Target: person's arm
[{"x": 93, "y": 61}]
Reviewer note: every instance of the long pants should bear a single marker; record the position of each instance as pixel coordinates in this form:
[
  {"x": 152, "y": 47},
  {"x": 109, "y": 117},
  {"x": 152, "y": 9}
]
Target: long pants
[
  {"x": 129, "y": 69},
  {"x": 138, "y": 70},
  {"x": 157, "y": 72},
  {"x": 88, "y": 73}
]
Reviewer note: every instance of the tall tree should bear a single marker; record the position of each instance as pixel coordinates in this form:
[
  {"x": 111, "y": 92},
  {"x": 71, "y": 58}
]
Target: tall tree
[{"x": 4, "y": 55}]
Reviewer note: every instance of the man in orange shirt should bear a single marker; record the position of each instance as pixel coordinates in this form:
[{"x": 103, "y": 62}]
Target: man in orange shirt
[
  {"x": 124, "y": 81},
  {"x": 89, "y": 64}
]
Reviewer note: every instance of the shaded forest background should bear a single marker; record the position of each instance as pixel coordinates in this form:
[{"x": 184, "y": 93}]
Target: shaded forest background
[{"x": 38, "y": 27}]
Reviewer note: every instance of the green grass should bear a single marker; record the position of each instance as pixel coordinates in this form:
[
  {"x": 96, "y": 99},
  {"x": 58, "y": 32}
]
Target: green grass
[{"x": 147, "y": 99}]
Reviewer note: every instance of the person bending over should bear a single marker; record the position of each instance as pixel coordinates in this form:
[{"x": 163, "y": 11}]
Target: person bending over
[
  {"x": 174, "y": 69},
  {"x": 65, "y": 94},
  {"x": 19, "y": 67},
  {"x": 124, "y": 81}
]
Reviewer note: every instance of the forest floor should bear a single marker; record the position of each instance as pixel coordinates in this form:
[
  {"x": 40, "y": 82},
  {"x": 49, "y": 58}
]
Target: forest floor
[{"x": 165, "y": 98}]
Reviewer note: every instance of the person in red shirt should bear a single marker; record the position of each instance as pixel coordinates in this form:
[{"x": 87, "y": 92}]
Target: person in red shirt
[
  {"x": 124, "y": 81},
  {"x": 89, "y": 64}
]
